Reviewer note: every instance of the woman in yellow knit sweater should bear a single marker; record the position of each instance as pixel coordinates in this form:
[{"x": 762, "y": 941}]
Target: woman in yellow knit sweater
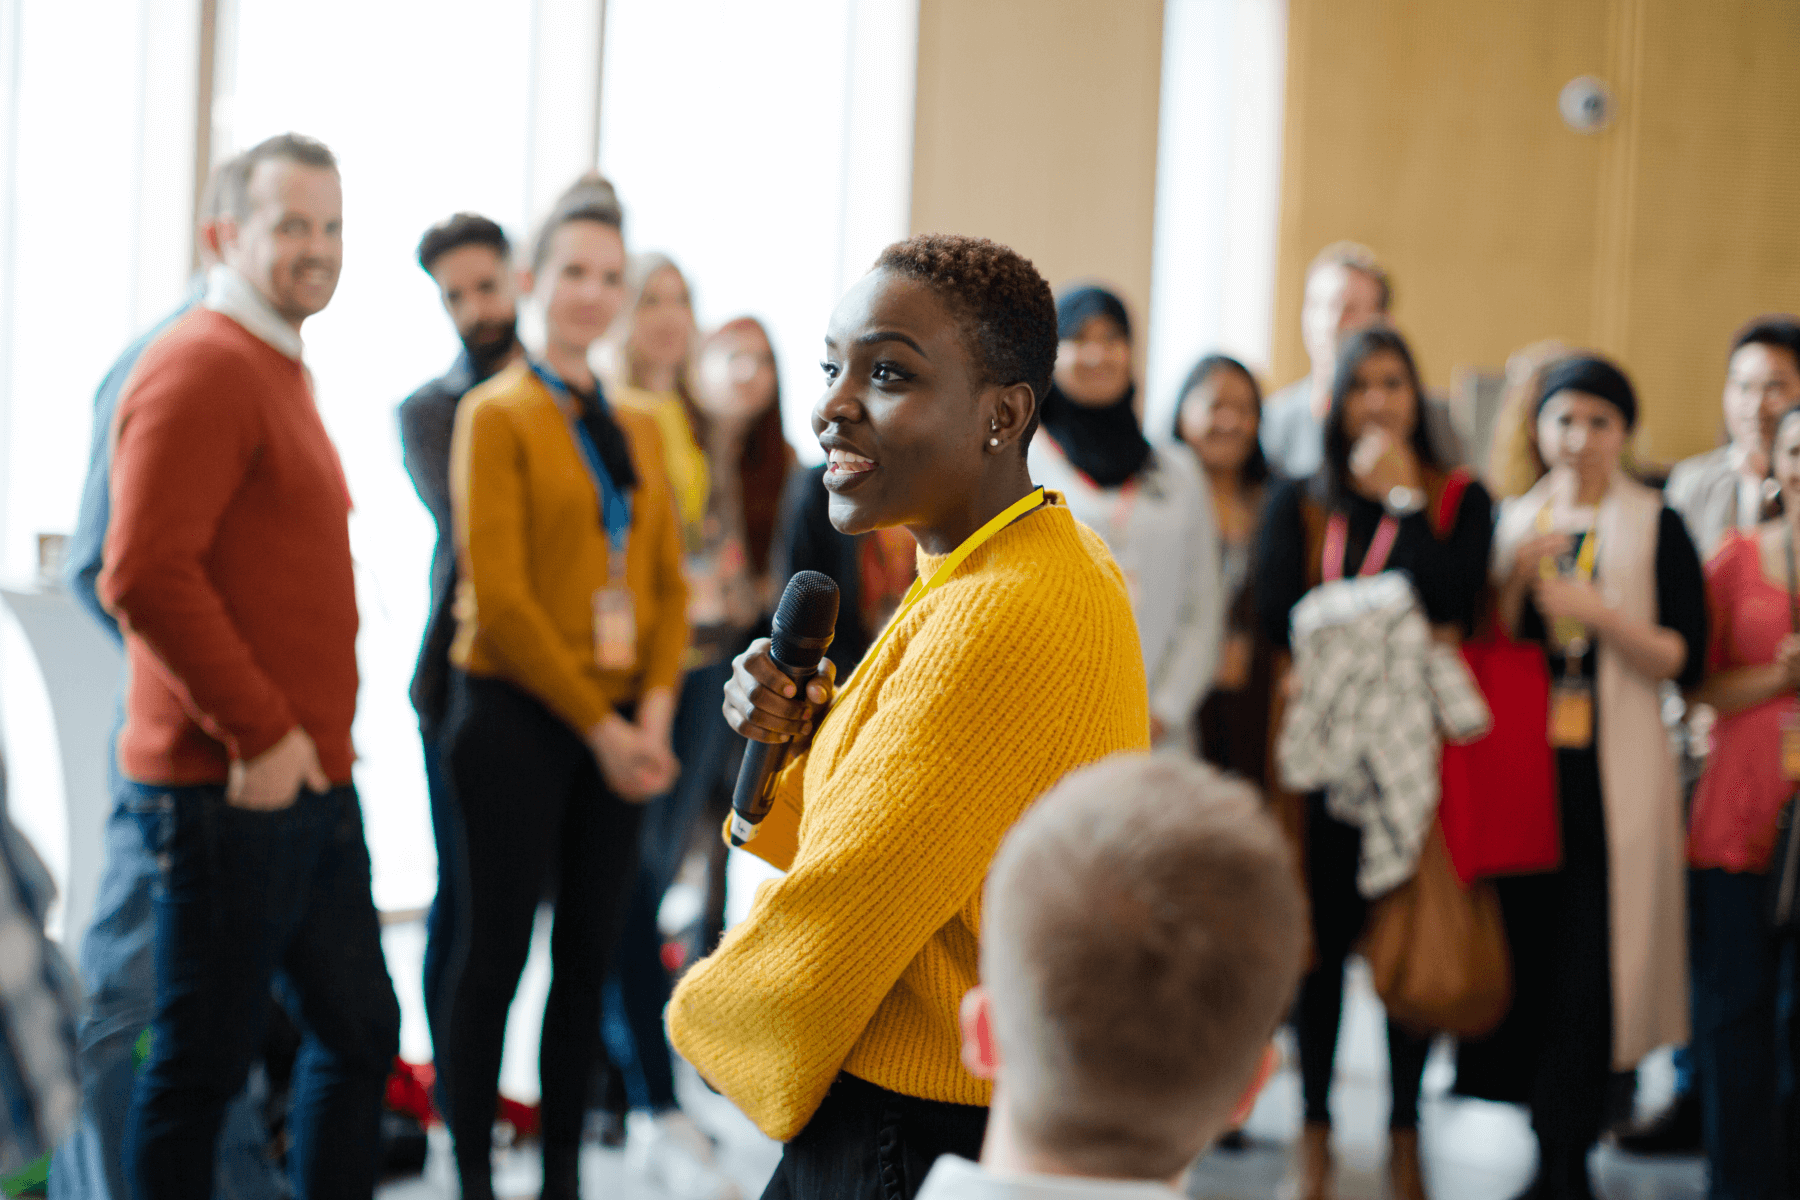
[{"x": 830, "y": 1014}]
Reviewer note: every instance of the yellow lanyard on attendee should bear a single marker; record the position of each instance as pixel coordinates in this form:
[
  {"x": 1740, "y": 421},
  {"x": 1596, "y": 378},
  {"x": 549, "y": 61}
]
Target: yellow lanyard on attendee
[
  {"x": 1584, "y": 560},
  {"x": 921, "y": 587},
  {"x": 1571, "y": 635}
]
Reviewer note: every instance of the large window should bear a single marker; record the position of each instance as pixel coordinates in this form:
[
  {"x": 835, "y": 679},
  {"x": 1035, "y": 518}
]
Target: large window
[{"x": 426, "y": 108}]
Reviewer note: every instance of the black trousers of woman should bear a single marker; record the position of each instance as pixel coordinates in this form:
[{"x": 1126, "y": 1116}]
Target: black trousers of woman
[
  {"x": 1339, "y": 912},
  {"x": 1553, "y": 1052},
  {"x": 867, "y": 1143},
  {"x": 536, "y": 813}
]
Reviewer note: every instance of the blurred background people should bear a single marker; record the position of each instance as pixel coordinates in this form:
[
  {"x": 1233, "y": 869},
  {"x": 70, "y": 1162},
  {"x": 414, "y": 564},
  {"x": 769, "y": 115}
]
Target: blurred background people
[
  {"x": 725, "y": 440},
  {"x": 469, "y": 258},
  {"x": 1217, "y": 421},
  {"x": 1740, "y": 971},
  {"x": 1727, "y": 489},
  {"x": 1142, "y": 936},
  {"x": 1592, "y": 566},
  {"x": 1731, "y": 488},
  {"x": 571, "y": 624},
  {"x": 872, "y": 569},
  {"x": 40, "y": 1097},
  {"x": 1383, "y": 478},
  {"x": 118, "y": 952},
  {"x": 1151, "y": 508},
  {"x": 228, "y": 565},
  {"x": 1347, "y": 289},
  {"x": 1514, "y": 464}
]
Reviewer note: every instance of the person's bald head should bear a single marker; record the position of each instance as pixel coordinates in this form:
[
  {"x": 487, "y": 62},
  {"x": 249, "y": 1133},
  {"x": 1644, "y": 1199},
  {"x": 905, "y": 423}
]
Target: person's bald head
[{"x": 1143, "y": 934}]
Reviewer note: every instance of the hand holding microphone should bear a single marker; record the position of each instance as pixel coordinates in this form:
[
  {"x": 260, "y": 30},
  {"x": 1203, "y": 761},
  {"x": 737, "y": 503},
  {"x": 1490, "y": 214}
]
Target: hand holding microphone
[{"x": 779, "y": 690}]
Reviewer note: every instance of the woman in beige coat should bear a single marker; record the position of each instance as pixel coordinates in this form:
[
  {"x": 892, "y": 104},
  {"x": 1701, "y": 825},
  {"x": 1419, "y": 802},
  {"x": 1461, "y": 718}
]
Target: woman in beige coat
[{"x": 1590, "y": 565}]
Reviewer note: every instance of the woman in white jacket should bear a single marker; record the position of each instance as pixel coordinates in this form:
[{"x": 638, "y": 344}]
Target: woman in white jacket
[{"x": 1150, "y": 505}]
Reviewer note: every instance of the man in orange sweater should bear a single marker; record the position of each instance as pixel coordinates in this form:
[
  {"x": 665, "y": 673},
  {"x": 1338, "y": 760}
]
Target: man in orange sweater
[{"x": 228, "y": 566}]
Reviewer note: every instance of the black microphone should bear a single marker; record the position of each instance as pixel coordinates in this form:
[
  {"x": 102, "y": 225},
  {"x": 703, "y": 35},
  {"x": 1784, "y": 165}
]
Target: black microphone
[{"x": 804, "y": 622}]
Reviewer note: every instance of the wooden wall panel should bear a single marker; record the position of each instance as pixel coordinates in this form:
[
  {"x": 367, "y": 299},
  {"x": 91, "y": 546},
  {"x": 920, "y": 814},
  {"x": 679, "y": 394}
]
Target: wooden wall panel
[
  {"x": 1709, "y": 214},
  {"x": 1036, "y": 126},
  {"x": 1429, "y": 130}
]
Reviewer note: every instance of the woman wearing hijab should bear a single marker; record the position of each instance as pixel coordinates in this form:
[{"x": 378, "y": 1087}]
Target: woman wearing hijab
[
  {"x": 1592, "y": 566},
  {"x": 1151, "y": 508}
]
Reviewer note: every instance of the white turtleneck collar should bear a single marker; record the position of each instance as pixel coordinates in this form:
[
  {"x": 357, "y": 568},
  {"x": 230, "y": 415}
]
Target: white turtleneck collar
[{"x": 230, "y": 294}]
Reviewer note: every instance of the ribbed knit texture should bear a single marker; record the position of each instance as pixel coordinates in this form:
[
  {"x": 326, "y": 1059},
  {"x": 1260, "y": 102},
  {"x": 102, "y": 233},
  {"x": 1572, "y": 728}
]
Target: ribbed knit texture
[
  {"x": 1023, "y": 666},
  {"x": 531, "y": 552},
  {"x": 228, "y": 559}
]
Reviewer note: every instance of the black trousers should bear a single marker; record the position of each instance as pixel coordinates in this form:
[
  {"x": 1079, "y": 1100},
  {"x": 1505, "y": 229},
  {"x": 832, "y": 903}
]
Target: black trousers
[
  {"x": 1339, "y": 912},
  {"x": 867, "y": 1143},
  {"x": 536, "y": 815}
]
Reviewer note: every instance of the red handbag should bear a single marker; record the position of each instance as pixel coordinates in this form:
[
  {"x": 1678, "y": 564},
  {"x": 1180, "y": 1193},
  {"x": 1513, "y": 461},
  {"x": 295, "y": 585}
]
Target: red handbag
[{"x": 1499, "y": 810}]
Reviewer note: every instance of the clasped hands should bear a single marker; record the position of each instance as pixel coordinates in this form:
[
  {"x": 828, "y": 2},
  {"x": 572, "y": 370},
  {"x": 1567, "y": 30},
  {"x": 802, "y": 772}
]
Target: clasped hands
[
  {"x": 634, "y": 756},
  {"x": 1559, "y": 597}
]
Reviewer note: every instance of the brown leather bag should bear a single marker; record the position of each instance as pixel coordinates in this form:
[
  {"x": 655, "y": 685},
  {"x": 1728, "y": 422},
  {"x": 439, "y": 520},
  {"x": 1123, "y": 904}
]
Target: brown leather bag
[{"x": 1438, "y": 950}]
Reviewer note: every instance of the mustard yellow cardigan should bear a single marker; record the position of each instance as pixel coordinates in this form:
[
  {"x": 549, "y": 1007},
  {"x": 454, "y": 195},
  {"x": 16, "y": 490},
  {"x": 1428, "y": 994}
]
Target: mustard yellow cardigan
[
  {"x": 1023, "y": 666},
  {"x": 531, "y": 552}
]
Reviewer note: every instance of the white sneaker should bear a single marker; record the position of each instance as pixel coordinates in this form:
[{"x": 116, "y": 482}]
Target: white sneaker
[{"x": 675, "y": 1156}]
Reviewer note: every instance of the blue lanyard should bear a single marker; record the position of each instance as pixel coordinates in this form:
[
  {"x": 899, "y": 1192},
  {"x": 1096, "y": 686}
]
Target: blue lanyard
[{"x": 615, "y": 503}]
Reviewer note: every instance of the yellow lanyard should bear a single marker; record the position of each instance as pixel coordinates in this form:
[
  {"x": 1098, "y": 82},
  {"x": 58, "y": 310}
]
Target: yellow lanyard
[
  {"x": 920, "y": 587},
  {"x": 1571, "y": 634},
  {"x": 1584, "y": 559}
]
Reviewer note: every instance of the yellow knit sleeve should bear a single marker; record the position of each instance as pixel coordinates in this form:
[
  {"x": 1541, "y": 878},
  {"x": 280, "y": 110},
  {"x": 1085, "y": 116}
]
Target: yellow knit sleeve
[
  {"x": 489, "y": 462},
  {"x": 778, "y": 837},
  {"x": 979, "y": 716}
]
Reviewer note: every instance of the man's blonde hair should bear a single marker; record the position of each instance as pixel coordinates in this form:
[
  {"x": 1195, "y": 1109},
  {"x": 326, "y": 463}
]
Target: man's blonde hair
[
  {"x": 1357, "y": 257},
  {"x": 1143, "y": 935}
]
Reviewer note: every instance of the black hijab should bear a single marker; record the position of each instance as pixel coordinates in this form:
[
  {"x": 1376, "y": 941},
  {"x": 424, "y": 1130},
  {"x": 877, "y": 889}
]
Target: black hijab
[{"x": 1106, "y": 444}]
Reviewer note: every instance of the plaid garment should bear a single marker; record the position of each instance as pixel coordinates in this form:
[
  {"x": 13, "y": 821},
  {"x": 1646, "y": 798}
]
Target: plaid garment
[
  {"x": 38, "y": 1006},
  {"x": 1375, "y": 692}
]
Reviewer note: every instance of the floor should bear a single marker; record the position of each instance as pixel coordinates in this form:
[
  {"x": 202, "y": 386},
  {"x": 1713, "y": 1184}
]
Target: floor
[{"x": 1473, "y": 1150}]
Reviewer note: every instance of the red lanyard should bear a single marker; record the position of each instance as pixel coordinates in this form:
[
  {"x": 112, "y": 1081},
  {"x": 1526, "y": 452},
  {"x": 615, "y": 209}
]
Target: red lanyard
[{"x": 1337, "y": 533}]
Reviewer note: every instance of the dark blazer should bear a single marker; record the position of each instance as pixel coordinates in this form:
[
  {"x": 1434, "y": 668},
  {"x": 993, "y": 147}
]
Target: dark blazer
[
  {"x": 805, "y": 540},
  {"x": 427, "y": 418}
]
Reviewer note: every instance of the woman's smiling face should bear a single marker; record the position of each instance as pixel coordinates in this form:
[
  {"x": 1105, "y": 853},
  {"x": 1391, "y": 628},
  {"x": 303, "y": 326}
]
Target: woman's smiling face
[{"x": 901, "y": 418}]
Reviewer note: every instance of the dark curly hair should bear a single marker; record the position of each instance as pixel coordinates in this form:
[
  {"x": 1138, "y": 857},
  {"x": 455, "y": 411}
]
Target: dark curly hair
[
  {"x": 455, "y": 232},
  {"x": 1007, "y": 307}
]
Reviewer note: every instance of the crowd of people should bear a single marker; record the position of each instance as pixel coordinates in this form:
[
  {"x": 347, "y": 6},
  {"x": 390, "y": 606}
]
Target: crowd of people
[{"x": 1029, "y": 584}]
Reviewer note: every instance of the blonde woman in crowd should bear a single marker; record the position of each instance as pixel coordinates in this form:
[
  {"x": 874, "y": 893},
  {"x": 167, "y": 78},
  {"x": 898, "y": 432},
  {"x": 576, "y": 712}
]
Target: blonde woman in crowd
[
  {"x": 1591, "y": 565},
  {"x": 725, "y": 454},
  {"x": 1514, "y": 463}
]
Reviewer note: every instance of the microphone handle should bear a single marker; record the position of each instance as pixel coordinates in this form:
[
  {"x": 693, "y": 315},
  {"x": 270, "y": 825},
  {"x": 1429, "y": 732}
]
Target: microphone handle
[{"x": 754, "y": 795}]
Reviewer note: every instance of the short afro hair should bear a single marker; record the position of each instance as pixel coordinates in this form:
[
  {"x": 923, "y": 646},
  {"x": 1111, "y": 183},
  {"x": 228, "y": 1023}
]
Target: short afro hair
[
  {"x": 463, "y": 229},
  {"x": 1007, "y": 306}
]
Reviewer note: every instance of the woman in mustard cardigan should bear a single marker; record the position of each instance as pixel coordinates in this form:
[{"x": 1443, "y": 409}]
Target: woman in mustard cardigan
[
  {"x": 571, "y": 622},
  {"x": 830, "y": 1015}
]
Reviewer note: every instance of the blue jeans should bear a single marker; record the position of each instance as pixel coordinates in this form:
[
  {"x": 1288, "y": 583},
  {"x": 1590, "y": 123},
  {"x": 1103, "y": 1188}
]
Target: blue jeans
[
  {"x": 638, "y": 988},
  {"x": 246, "y": 900},
  {"x": 1741, "y": 973},
  {"x": 118, "y": 970}
]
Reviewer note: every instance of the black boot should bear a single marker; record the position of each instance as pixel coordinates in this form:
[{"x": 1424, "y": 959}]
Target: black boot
[
  {"x": 1675, "y": 1130},
  {"x": 562, "y": 1173}
]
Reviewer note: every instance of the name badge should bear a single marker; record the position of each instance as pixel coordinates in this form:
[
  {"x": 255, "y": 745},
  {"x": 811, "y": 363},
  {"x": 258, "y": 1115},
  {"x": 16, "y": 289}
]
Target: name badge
[
  {"x": 615, "y": 629},
  {"x": 1572, "y": 714}
]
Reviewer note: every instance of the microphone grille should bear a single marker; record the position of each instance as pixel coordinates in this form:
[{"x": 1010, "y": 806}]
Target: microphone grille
[{"x": 805, "y": 619}]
